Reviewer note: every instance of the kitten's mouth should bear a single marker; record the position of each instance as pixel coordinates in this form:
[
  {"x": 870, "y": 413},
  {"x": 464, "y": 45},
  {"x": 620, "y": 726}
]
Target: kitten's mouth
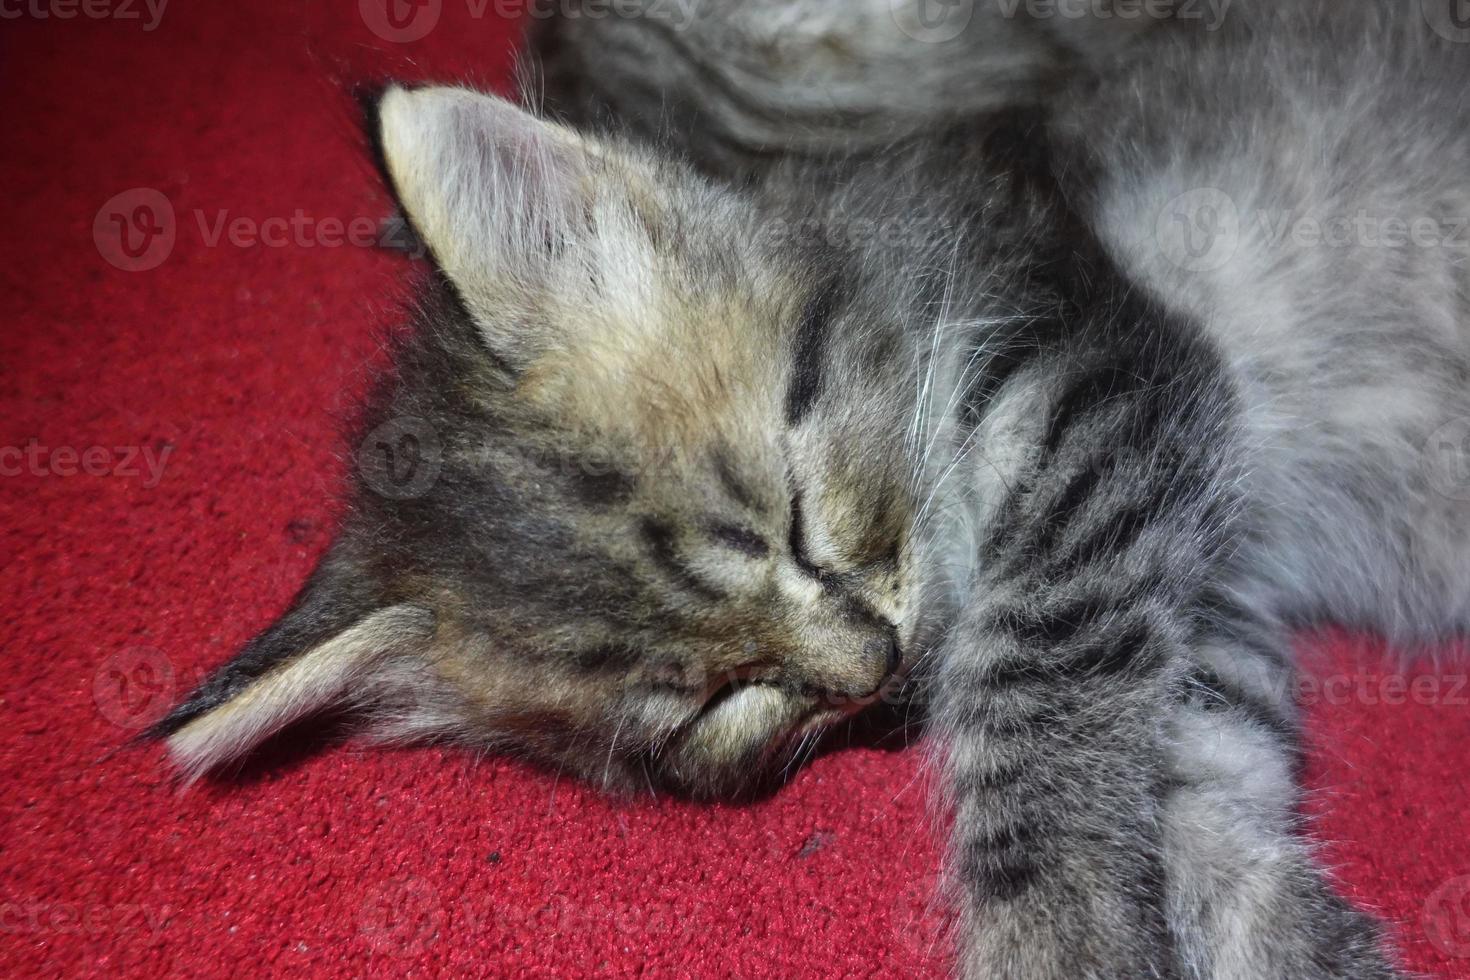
[
  {"x": 823, "y": 701},
  {"x": 748, "y": 731},
  {"x": 728, "y": 749}
]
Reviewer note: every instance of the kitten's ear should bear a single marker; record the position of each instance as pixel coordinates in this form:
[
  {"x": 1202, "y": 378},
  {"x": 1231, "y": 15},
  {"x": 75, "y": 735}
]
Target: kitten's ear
[
  {"x": 334, "y": 647},
  {"x": 514, "y": 209}
]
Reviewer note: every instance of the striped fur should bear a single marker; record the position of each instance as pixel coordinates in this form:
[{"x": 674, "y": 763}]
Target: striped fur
[
  {"x": 772, "y": 388},
  {"x": 1150, "y": 498}
]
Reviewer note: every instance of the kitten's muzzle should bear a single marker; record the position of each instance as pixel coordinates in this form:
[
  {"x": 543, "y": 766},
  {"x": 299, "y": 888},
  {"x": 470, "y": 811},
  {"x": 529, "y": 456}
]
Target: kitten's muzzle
[
  {"x": 893, "y": 655},
  {"x": 752, "y": 712},
  {"x": 884, "y": 650}
]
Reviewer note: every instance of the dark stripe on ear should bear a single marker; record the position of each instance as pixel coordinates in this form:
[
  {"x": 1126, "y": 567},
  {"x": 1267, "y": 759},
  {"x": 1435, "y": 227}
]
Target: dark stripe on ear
[
  {"x": 396, "y": 232},
  {"x": 1000, "y": 877},
  {"x": 336, "y": 596},
  {"x": 807, "y": 352},
  {"x": 369, "y": 97}
]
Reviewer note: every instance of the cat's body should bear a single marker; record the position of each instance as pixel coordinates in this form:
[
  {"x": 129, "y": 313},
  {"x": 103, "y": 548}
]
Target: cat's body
[
  {"x": 1011, "y": 398},
  {"x": 1285, "y": 177}
]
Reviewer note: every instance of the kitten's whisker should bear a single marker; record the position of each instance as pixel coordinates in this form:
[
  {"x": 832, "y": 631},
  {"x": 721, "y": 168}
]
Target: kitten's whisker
[
  {"x": 923, "y": 409},
  {"x": 966, "y": 447},
  {"x": 611, "y": 750}
]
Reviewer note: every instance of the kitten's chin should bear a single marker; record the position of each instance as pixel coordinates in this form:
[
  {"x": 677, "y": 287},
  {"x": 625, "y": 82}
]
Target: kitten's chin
[{"x": 737, "y": 743}]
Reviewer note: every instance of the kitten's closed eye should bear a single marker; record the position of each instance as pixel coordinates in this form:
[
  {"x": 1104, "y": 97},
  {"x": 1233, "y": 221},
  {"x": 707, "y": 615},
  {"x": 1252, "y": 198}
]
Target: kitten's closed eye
[{"x": 797, "y": 542}]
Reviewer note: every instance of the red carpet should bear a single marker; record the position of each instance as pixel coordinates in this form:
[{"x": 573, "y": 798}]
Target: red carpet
[{"x": 231, "y": 364}]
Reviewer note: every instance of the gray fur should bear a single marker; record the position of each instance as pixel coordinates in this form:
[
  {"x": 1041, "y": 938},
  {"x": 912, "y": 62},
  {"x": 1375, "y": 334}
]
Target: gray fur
[
  {"x": 932, "y": 371},
  {"x": 1163, "y": 842}
]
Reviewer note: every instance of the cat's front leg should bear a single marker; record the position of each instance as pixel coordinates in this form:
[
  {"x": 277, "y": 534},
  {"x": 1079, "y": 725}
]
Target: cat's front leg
[
  {"x": 1088, "y": 842},
  {"x": 1057, "y": 784},
  {"x": 1110, "y": 505},
  {"x": 1171, "y": 846}
]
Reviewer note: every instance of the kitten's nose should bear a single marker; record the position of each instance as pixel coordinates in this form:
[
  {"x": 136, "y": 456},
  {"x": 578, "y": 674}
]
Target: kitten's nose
[
  {"x": 850, "y": 660},
  {"x": 885, "y": 649}
]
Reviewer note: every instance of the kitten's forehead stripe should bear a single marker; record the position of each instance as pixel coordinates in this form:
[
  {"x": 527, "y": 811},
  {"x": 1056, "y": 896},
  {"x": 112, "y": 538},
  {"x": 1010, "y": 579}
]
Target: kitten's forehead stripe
[
  {"x": 662, "y": 540},
  {"x": 808, "y": 352},
  {"x": 732, "y": 483}
]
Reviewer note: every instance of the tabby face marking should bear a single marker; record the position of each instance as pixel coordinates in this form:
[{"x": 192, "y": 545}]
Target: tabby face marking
[{"x": 729, "y": 575}]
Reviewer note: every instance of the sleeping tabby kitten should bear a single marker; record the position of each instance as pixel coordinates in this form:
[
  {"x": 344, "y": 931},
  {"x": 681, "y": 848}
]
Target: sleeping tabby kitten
[{"x": 1018, "y": 404}]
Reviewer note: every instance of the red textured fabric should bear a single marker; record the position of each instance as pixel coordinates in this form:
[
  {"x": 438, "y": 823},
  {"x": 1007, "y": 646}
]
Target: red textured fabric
[{"x": 233, "y": 364}]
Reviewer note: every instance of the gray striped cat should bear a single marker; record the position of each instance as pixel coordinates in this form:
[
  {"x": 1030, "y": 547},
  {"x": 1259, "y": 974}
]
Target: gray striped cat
[{"x": 770, "y": 391}]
